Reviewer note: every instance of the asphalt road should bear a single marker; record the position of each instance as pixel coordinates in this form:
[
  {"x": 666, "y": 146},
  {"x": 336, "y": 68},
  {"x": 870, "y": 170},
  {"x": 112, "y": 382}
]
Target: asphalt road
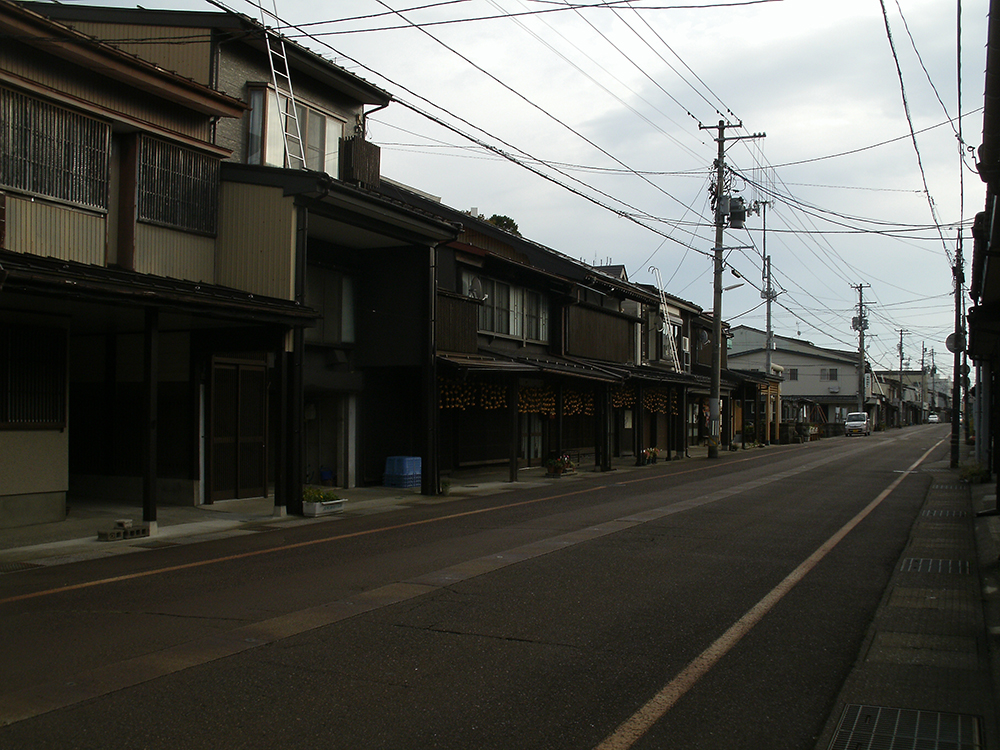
[{"x": 697, "y": 604}]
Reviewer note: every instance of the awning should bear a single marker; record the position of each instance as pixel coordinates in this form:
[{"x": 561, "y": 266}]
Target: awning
[{"x": 69, "y": 280}]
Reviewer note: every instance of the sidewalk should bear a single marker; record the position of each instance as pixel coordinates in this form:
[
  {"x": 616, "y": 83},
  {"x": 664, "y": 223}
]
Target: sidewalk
[
  {"x": 76, "y": 537},
  {"x": 925, "y": 676}
]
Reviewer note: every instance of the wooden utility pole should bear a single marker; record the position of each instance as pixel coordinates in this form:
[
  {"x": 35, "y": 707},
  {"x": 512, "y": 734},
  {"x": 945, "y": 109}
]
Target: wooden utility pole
[
  {"x": 721, "y": 211},
  {"x": 860, "y": 324},
  {"x": 901, "y": 332}
]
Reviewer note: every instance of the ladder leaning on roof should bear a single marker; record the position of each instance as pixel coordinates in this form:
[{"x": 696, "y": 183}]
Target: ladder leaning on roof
[
  {"x": 666, "y": 328},
  {"x": 281, "y": 78}
]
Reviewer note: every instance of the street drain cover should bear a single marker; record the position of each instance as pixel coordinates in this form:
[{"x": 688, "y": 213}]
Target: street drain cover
[
  {"x": 870, "y": 727},
  {"x": 14, "y": 567},
  {"x": 930, "y": 565}
]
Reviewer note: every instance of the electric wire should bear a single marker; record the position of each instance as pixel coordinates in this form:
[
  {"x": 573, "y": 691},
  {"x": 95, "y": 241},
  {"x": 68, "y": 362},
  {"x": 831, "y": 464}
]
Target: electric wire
[
  {"x": 542, "y": 110},
  {"x": 506, "y": 15},
  {"x": 913, "y": 136}
]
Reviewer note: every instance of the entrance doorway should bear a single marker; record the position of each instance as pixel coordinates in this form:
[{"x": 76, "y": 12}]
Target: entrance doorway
[{"x": 238, "y": 429}]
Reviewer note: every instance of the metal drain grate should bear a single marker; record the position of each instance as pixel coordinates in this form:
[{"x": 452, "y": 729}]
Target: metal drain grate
[
  {"x": 870, "y": 727},
  {"x": 948, "y": 486},
  {"x": 945, "y": 513},
  {"x": 15, "y": 567},
  {"x": 930, "y": 565}
]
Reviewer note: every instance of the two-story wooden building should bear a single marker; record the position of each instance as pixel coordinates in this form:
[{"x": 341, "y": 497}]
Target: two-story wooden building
[
  {"x": 315, "y": 230},
  {"x": 122, "y": 296},
  {"x": 540, "y": 354}
]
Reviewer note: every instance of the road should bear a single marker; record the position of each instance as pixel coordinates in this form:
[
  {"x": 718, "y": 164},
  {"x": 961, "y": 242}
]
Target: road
[{"x": 695, "y": 604}]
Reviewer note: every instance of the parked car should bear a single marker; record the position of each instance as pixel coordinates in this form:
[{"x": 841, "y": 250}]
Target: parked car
[
  {"x": 857, "y": 424},
  {"x": 933, "y": 419}
]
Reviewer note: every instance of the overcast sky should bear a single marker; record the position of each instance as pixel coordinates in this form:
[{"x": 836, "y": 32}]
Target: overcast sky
[
  {"x": 610, "y": 102},
  {"x": 615, "y": 99}
]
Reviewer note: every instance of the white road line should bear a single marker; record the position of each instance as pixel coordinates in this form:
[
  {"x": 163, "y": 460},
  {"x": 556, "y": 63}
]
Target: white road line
[{"x": 633, "y": 728}]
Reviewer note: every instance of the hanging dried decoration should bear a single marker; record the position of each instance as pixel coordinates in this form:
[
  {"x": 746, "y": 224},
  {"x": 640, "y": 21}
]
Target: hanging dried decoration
[
  {"x": 492, "y": 396},
  {"x": 656, "y": 400},
  {"x": 622, "y": 397},
  {"x": 453, "y": 394},
  {"x": 540, "y": 400},
  {"x": 578, "y": 403}
]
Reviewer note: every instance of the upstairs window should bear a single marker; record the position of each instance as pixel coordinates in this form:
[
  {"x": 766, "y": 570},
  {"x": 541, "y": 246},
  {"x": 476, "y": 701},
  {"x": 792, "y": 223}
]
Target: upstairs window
[
  {"x": 510, "y": 310},
  {"x": 178, "y": 188},
  {"x": 828, "y": 373},
  {"x": 52, "y": 152},
  {"x": 793, "y": 373},
  {"x": 321, "y": 134}
]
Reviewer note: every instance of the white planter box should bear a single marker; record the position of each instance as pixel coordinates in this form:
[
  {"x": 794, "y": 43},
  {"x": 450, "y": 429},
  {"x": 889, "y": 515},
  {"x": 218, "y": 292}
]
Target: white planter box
[{"x": 323, "y": 508}]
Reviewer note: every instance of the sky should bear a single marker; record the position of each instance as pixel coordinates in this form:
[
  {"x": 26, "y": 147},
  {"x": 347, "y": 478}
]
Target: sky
[{"x": 593, "y": 125}]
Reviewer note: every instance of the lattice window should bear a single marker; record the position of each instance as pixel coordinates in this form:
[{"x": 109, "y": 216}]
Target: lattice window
[
  {"x": 50, "y": 151},
  {"x": 32, "y": 378},
  {"x": 178, "y": 187}
]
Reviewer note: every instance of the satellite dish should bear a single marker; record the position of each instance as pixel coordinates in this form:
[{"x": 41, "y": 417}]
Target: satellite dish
[
  {"x": 476, "y": 288},
  {"x": 702, "y": 337}
]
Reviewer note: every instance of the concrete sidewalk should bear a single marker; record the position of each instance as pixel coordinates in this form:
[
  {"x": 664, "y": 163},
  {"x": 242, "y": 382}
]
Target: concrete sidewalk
[
  {"x": 76, "y": 537},
  {"x": 926, "y": 673}
]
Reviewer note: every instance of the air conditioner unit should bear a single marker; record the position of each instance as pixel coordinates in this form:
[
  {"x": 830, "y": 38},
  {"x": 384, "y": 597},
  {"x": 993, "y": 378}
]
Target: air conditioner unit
[
  {"x": 685, "y": 344},
  {"x": 834, "y": 389}
]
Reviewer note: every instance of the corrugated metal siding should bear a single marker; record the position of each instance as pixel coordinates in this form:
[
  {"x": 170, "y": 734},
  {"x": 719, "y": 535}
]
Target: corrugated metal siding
[
  {"x": 256, "y": 241},
  {"x": 166, "y": 252},
  {"x": 188, "y": 54},
  {"x": 103, "y": 92},
  {"x": 54, "y": 231}
]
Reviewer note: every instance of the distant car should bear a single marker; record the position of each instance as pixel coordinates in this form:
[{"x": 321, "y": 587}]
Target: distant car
[
  {"x": 857, "y": 424},
  {"x": 933, "y": 418}
]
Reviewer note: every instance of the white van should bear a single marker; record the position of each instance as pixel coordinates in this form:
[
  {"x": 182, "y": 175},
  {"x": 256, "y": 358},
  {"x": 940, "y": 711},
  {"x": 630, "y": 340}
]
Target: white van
[{"x": 857, "y": 424}]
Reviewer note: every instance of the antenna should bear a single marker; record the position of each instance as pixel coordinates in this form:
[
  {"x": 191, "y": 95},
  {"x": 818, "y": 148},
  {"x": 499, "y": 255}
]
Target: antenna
[{"x": 476, "y": 288}]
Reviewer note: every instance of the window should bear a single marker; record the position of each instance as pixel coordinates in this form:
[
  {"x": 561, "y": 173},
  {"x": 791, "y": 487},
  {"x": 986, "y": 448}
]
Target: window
[
  {"x": 177, "y": 187},
  {"x": 532, "y": 316},
  {"x": 828, "y": 374},
  {"x": 793, "y": 373},
  {"x": 332, "y": 293},
  {"x": 53, "y": 152},
  {"x": 32, "y": 378},
  {"x": 321, "y": 134},
  {"x": 495, "y": 314},
  {"x": 510, "y": 310}
]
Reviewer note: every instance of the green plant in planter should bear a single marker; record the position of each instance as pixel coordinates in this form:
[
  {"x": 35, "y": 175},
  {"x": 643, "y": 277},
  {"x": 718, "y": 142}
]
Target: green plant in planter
[
  {"x": 560, "y": 463},
  {"x": 317, "y": 495},
  {"x": 973, "y": 473}
]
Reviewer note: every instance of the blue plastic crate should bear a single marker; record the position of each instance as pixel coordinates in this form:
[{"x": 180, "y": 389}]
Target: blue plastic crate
[
  {"x": 402, "y": 465},
  {"x": 400, "y": 480}
]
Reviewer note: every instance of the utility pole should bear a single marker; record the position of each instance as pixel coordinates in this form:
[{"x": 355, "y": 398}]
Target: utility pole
[
  {"x": 901, "y": 332},
  {"x": 860, "y": 324},
  {"x": 721, "y": 211},
  {"x": 769, "y": 295},
  {"x": 957, "y": 347},
  {"x": 923, "y": 382}
]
